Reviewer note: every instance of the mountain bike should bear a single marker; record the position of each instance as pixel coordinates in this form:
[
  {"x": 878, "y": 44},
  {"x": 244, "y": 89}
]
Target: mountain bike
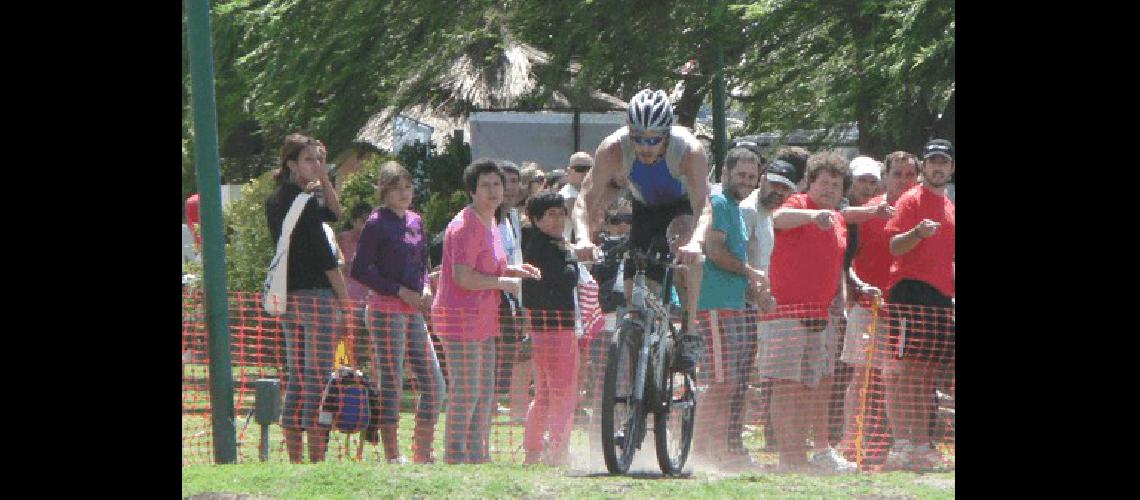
[{"x": 640, "y": 378}]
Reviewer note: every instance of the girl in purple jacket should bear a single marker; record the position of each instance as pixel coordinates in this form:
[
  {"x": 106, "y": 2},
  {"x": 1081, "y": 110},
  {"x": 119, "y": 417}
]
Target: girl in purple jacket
[{"x": 391, "y": 260}]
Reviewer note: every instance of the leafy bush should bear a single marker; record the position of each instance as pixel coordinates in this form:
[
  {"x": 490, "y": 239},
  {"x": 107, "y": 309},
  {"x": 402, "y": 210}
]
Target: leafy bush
[
  {"x": 249, "y": 247},
  {"x": 360, "y": 186},
  {"x": 435, "y": 172},
  {"x": 439, "y": 210},
  {"x": 438, "y": 179}
]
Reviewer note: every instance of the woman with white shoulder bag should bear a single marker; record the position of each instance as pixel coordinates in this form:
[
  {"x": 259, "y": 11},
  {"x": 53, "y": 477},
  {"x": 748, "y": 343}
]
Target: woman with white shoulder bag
[{"x": 311, "y": 293}]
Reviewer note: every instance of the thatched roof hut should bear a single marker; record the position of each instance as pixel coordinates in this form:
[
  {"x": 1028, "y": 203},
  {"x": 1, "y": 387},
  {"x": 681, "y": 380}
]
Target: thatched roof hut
[{"x": 466, "y": 84}]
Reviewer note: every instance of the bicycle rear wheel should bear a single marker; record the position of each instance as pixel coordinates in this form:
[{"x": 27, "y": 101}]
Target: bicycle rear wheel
[
  {"x": 673, "y": 425},
  {"x": 623, "y": 417}
]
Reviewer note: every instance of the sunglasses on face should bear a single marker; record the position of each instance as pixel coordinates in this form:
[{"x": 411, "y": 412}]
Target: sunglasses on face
[
  {"x": 621, "y": 219},
  {"x": 580, "y": 168},
  {"x": 647, "y": 141}
]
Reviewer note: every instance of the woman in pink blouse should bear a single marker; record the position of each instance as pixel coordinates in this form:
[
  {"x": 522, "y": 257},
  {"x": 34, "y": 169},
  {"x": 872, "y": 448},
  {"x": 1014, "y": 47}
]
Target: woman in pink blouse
[{"x": 465, "y": 312}]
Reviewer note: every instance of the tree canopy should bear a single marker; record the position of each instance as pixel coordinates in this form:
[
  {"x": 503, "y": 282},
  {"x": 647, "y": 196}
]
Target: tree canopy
[
  {"x": 886, "y": 64},
  {"x": 326, "y": 66}
]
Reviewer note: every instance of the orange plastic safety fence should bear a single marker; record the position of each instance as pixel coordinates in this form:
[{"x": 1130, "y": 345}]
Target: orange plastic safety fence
[{"x": 805, "y": 387}]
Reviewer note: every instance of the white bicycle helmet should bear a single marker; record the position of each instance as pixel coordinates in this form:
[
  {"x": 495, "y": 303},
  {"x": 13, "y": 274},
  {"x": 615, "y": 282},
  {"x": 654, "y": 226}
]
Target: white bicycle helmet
[{"x": 650, "y": 110}]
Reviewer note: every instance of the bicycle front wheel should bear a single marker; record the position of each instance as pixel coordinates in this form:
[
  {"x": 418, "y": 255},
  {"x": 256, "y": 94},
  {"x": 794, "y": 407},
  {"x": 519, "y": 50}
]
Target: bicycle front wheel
[
  {"x": 673, "y": 424},
  {"x": 623, "y": 417}
]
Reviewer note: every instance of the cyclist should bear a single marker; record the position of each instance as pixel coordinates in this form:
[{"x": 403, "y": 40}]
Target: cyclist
[{"x": 666, "y": 171}]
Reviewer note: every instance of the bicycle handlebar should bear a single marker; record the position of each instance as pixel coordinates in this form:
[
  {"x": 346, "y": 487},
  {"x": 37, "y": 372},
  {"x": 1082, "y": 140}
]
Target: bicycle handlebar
[{"x": 624, "y": 250}]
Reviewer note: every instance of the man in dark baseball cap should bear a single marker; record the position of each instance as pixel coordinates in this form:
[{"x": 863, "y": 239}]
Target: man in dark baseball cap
[
  {"x": 938, "y": 147},
  {"x": 782, "y": 172},
  {"x": 937, "y": 163},
  {"x": 921, "y": 282}
]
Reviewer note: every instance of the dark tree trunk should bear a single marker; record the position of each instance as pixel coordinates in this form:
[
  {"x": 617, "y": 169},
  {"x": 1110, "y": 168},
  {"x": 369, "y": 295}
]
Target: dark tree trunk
[{"x": 685, "y": 109}]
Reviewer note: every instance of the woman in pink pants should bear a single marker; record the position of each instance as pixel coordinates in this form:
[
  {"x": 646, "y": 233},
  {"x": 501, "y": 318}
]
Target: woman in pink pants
[{"x": 550, "y": 301}]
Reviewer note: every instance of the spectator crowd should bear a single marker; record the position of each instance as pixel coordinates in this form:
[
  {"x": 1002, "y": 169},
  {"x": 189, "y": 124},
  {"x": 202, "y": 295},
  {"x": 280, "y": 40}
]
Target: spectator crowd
[{"x": 825, "y": 278}]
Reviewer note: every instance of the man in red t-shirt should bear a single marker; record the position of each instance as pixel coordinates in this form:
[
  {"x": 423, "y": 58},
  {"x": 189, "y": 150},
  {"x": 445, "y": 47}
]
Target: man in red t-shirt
[
  {"x": 868, "y": 278},
  {"x": 921, "y": 283},
  {"x": 806, "y": 277}
]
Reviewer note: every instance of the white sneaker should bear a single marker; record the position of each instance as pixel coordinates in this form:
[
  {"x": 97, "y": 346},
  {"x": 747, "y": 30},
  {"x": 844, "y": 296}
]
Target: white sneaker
[{"x": 830, "y": 460}]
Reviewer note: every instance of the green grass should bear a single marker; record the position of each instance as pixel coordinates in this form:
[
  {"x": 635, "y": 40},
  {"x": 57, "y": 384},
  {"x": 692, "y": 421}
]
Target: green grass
[
  {"x": 341, "y": 477},
  {"x": 507, "y": 440},
  {"x": 375, "y": 480}
]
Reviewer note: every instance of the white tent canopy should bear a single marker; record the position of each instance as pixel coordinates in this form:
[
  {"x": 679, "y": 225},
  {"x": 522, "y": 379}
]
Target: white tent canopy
[{"x": 543, "y": 136}]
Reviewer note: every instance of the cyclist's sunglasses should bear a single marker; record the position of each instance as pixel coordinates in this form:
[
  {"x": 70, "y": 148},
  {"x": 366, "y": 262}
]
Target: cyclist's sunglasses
[
  {"x": 647, "y": 141},
  {"x": 621, "y": 219}
]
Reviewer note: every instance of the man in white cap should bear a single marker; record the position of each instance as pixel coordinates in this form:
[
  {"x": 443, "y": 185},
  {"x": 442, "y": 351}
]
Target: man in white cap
[
  {"x": 866, "y": 177},
  {"x": 866, "y": 183},
  {"x": 863, "y": 185}
]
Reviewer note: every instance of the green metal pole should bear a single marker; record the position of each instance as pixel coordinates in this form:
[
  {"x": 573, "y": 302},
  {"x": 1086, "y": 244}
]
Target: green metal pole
[
  {"x": 213, "y": 256},
  {"x": 720, "y": 139}
]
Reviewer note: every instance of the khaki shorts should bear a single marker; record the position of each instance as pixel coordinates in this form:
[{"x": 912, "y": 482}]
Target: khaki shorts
[
  {"x": 857, "y": 338},
  {"x": 791, "y": 351},
  {"x": 729, "y": 357}
]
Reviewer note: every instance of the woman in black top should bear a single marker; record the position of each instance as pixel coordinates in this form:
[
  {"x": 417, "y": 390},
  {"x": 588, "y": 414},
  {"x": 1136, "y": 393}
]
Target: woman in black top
[{"x": 314, "y": 286}]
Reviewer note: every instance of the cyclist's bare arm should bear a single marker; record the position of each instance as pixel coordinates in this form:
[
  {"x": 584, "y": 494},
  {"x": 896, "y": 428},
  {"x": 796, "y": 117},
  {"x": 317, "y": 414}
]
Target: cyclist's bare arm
[
  {"x": 598, "y": 192},
  {"x": 695, "y": 168}
]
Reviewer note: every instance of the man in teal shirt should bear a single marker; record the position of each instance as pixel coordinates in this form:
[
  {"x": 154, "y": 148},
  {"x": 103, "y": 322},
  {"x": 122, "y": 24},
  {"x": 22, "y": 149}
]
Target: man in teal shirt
[{"x": 729, "y": 338}]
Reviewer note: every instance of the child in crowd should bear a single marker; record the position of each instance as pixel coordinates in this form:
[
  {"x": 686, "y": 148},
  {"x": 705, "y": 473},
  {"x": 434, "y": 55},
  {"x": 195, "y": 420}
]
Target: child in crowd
[
  {"x": 550, "y": 301},
  {"x": 357, "y": 291},
  {"x": 391, "y": 260}
]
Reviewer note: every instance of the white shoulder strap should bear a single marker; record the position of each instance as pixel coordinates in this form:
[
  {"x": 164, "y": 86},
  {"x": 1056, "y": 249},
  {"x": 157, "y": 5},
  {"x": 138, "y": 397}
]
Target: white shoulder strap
[
  {"x": 334, "y": 247},
  {"x": 275, "y": 288}
]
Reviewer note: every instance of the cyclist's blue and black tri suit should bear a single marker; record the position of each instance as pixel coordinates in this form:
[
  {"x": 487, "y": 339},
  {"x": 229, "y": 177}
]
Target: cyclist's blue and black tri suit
[{"x": 658, "y": 189}]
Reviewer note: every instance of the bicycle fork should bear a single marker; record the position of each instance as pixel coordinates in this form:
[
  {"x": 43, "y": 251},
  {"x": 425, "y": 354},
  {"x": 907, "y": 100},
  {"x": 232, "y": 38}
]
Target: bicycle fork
[{"x": 638, "y": 395}]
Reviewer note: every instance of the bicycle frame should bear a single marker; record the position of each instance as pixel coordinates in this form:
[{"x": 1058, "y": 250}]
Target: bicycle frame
[
  {"x": 649, "y": 306},
  {"x": 649, "y": 361}
]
